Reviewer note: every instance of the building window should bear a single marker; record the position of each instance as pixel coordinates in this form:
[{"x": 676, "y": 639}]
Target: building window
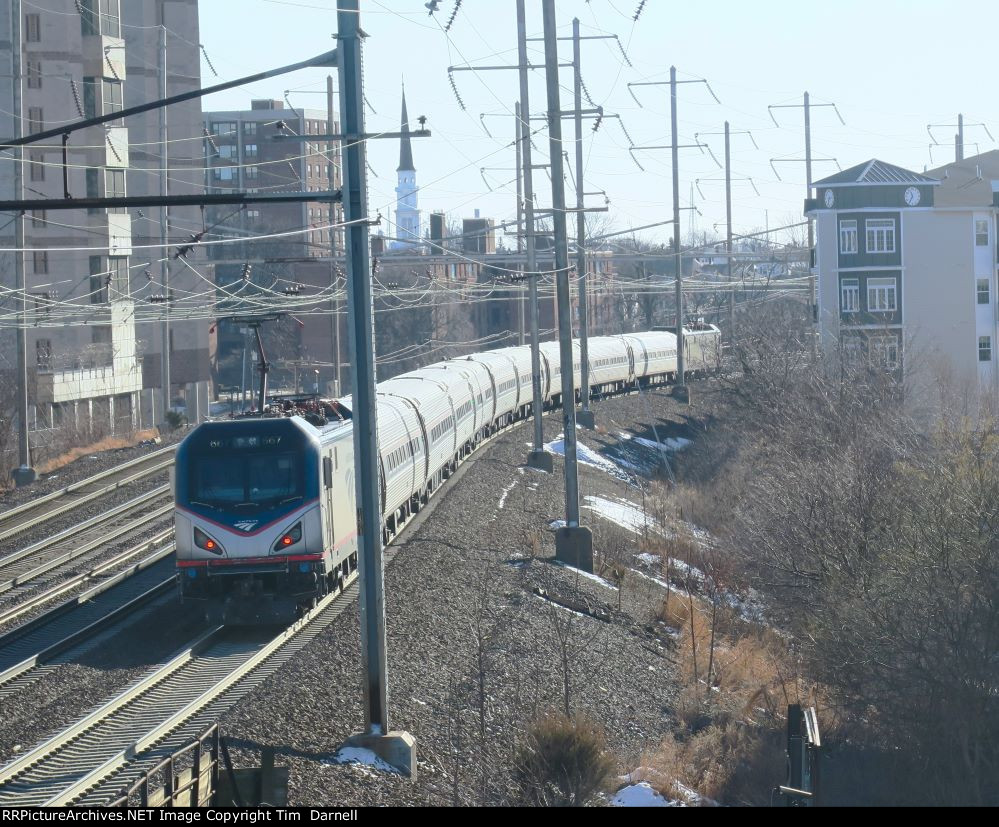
[
  {"x": 34, "y": 74},
  {"x": 43, "y": 354},
  {"x": 250, "y": 150},
  {"x": 32, "y": 28},
  {"x": 880, "y": 235},
  {"x": 41, "y": 262},
  {"x": 227, "y": 152},
  {"x": 224, "y": 173},
  {"x": 251, "y": 172},
  {"x": 981, "y": 232},
  {"x": 114, "y": 187},
  {"x": 38, "y": 218},
  {"x": 36, "y": 166},
  {"x": 983, "y": 291},
  {"x": 112, "y": 97},
  {"x": 36, "y": 119},
  {"x": 223, "y": 128},
  {"x": 847, "y": 237},
  {"x": 881, "y": 296},
  {"x": 849, "y": 296},
  {"x": 883, "y": 352},
  {"x": 984, "y": 348},
  {"x": 89, "y": 98},
  {"x": 98, "y": 281},
  {"x": 100, "y": 17},
  {"x": 250, "y": 128}
]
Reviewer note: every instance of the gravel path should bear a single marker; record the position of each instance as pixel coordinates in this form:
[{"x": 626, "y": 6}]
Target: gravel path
[{"x": 467, "y": 574}]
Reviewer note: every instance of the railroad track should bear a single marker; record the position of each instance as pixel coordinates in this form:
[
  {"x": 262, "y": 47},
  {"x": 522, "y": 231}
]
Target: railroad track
[
  {"x": 89, "y": 761},
  {"x": 17, "y": 520},
  {"x": 183, "y": 690},
  {"x": 26, "y": 574},
  {"x": 77, "y": 625}
]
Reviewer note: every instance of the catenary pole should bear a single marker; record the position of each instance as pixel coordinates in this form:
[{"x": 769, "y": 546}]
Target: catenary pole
[
  {"x": 586, "y": 416},
  {"x": 24, "y": 474},
  {"x": 164, "y": 224},
  {"x": 538, "y": 457},
  {"x": 678, "y": 256},
  {"x": 519, "y": 164},
  {"x": 361, "y": 331},
  {"x": 728, "y": 231},
  {"x": 331, "y": 149},
  {"x": 561, "y": 266}
]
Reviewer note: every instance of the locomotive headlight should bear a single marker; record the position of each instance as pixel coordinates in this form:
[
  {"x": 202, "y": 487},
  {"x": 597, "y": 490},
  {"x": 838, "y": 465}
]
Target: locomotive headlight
[
  {"x": 289, "y": 538},
  {"x": 202, "y": 540}
]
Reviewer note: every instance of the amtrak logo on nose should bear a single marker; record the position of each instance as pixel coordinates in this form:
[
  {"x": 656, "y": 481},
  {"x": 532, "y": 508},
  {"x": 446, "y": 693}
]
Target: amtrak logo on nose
[{"x": 247, "y": 525}]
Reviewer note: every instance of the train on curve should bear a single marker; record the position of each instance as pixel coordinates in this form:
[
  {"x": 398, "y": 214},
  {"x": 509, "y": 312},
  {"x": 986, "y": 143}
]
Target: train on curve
[{"x": 266, "y": 522}]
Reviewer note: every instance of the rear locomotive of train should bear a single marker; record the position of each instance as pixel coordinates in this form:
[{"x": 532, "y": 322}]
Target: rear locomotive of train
[{"x": 254, "y": 518}]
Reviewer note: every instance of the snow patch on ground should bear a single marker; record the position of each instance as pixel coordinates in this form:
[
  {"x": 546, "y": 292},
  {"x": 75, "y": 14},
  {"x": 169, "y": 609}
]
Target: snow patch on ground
[
  {"x": 594, "y": 577},
  {"x": 555, "y": 525},
  {"x": 621, "y": 512},
  {"x": 506, "y": 491},
  {"x": 672, "y": 444},
  {"x": 588, "y": 456},
  {"x": 639, "y": 795},
  {"x": 364, "y": 759}
]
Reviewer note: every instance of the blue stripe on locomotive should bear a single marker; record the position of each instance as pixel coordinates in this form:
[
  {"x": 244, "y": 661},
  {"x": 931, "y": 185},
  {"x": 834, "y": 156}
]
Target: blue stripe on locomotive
[{"x": 296, "y": 436}]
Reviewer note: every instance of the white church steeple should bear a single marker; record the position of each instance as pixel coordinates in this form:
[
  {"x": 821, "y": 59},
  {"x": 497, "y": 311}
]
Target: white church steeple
[{"x": 407, "y": 214}]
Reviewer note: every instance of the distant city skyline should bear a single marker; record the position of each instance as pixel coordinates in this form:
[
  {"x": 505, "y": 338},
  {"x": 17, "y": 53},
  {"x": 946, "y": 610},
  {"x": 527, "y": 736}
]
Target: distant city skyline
[{"x": 886, "y": 65}]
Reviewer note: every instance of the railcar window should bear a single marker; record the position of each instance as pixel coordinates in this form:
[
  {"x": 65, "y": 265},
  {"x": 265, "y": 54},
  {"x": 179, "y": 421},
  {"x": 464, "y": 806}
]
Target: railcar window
[{"x": 259, "y": 480}]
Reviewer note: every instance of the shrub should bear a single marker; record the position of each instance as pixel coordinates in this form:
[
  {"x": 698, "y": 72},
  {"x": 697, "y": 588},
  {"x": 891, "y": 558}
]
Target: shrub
[{"x": 562, "y": 763}]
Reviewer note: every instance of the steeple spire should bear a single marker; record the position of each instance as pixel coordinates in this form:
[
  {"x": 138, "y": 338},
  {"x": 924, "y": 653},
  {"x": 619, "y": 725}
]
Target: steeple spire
[{"x": 406, "y": 149}]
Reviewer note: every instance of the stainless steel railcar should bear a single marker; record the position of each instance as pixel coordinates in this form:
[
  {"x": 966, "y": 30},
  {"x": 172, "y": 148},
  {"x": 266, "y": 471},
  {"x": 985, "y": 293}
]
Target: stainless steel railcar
[{"x": 265, "y": 511}]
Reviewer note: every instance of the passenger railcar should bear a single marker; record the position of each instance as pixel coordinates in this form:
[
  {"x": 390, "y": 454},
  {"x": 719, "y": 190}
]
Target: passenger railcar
[{"x": 266, "y": 522}]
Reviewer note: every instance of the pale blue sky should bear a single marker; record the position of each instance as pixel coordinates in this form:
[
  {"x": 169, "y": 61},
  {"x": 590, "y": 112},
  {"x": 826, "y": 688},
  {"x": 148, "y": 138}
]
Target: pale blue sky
[{"x": 891, "y": 67}]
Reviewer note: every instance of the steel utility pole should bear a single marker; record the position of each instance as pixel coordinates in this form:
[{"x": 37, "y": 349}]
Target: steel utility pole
[
  {"x": 398, "y": 748},
  {"x": 24, "y": 474},
  {"x": 680, "y": 390},
  {"x": 519, "y": 164},
  {"x": 164, "y": 222},
  {"x": 331, "y": 148},
  {"x": 728, "y": 230},
  {"x": 585, "y": 416},
  {"x": 807, "y": 106},
  {"x": 678, "y": 256},
  {"x": 538, "y": 458},
  {"x": 574, "y": 543}
]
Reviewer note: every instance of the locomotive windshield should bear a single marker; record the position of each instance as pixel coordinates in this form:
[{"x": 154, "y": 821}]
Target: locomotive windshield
[{"x": 258, "y": 480}]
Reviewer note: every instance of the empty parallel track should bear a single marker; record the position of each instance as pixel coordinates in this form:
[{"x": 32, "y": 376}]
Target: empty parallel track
[
  {"x": 17, "y": 520},
  {"x": 35, "y": 575},
  {"x": 182, "y": 691},
  {"x": 78, "y": 624}
]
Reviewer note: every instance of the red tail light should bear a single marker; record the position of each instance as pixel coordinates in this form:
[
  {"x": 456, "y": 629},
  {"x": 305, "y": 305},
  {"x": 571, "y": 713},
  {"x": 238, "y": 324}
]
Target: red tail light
[
  {"x": 202, "y": 540},
  {"x": 289, "y": 538}
]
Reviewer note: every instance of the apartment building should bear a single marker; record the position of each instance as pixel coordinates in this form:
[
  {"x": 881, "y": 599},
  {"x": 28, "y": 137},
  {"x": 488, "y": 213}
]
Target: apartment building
[
  {"x": 906, "y": 267},
  {"x": 280, "y": 243},
  {"x": 94, "y": 347}
]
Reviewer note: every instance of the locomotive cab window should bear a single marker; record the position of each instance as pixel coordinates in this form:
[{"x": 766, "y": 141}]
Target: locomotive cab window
[{"x": 252, "y": 481}]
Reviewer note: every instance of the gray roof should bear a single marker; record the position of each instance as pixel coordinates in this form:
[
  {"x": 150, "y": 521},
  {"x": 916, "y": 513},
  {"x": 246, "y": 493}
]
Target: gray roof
[{"x": 874, "y": 173}]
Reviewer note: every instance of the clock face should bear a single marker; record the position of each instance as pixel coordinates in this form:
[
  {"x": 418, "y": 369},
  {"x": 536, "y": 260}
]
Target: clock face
[
  {"x": 830, "y": 199},
  {"x": 912, "y": 196}
]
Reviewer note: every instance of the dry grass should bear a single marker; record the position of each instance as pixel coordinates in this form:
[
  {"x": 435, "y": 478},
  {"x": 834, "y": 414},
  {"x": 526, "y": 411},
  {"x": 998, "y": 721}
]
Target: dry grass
[{"x": 75, "y": 453}]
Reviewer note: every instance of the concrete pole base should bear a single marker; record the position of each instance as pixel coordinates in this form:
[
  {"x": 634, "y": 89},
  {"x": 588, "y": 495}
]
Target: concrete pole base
[
  {"x": 541, "y": 461},
  {"x": 681, "y": 393},
  {"x": 397, "y": 748},
  {"x": 574, "y": 547},
  {"x": 25, "y": 475},
  {"x": 584, "y": 419}
]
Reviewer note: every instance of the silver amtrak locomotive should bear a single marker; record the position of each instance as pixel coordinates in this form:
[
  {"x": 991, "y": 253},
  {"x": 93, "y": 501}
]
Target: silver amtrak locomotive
[{"x": 266, "y": 521}]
